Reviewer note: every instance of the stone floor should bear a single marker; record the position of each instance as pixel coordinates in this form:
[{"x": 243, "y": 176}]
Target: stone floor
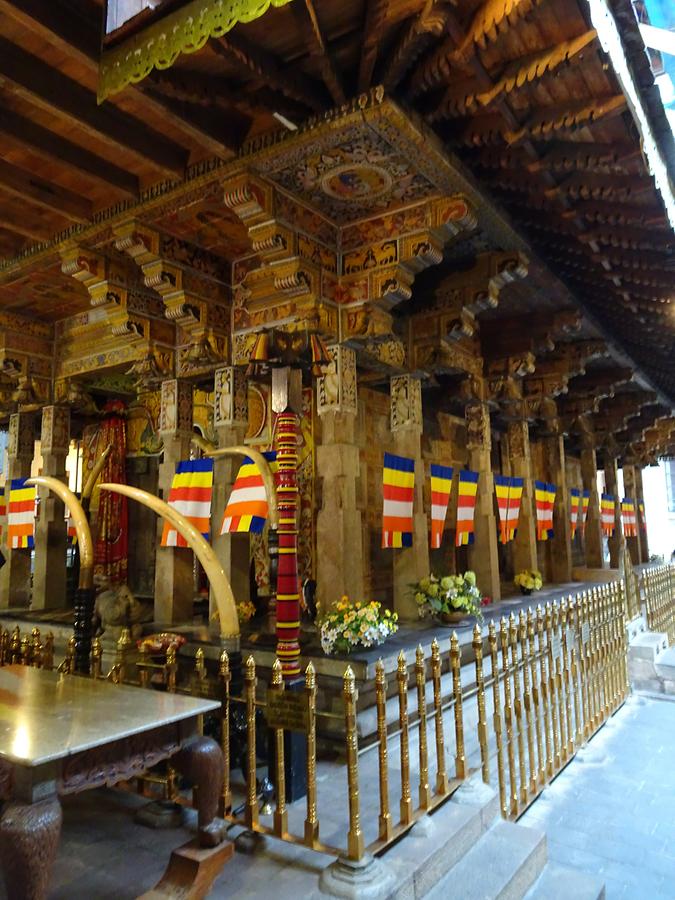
[{"x": 610, "y": 812}]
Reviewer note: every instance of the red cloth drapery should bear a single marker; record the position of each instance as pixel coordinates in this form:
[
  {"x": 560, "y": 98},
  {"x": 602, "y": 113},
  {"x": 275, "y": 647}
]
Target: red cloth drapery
[{"x": 112, "y": 539}]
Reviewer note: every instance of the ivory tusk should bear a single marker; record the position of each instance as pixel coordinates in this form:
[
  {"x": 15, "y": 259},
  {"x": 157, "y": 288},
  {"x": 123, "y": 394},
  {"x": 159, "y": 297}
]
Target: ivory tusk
[
  {"x": 84, "y": 540},
  {"x": 95, "y": 472},
  {"x": 204, "y": 445},
  {"x": 222, "y": 591},
  {"x": 265, "y": 471}
]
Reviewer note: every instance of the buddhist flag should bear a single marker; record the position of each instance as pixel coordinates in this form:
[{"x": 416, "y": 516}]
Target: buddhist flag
[
  {"x": 643, "y": 520},
  {"x": 585, "y": 500},
  {"x": 441, "y": 485},
  {"x": 71, "y": 531},
  {"x": 3, "y": 507},
  {"x": 509, "y": 491},
  {"x": 607, "y": 514},
  {"x": 398, "y": 488},
  {"x": 628, "y": 517},
  {"x": 248, "y": 507},
  {"x": 21, "y": 515},
  {"x": 466, "y": 507},
  {"x": 574, "y": 510},
  {"x": 190, "y": 495},
  {"x": 544, "y": 497}
]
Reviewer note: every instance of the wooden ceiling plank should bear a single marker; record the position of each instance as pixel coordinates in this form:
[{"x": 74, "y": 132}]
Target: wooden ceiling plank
[
  {"x": 416, "y": 36},
  {"x": 51, "y": 146},
  {"x": 308, "y": 21},
  {"x": 51, "y": 197},
  {"x": 58, "y": 94},
  {"x": 376, "y": 15},
  {"x": 80, "y": 38},
  {"x": 25, "y": 229}
]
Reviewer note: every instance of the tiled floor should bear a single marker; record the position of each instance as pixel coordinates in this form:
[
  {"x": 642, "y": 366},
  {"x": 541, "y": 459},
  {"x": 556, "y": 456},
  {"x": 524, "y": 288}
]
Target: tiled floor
[{"x": 611, "y": 812}]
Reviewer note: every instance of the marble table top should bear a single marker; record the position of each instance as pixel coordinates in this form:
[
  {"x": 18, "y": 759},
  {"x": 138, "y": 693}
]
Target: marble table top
[{"x": 45, "y": 716}]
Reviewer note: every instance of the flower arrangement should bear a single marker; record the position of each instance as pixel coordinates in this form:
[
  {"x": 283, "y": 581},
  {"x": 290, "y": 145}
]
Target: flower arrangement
[
  {"x": 245, "y": 611},
  {"x": 449, "y": 594},
  {"x": 352, "y": 625},
  {"x": 528, "y": 580}
]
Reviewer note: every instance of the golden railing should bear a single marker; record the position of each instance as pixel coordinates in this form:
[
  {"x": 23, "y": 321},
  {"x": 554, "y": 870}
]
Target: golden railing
[
  {"x": 658, "y": 584},
  {"x": 632, "y": 588},
  {"x": 26, "y": 649}
]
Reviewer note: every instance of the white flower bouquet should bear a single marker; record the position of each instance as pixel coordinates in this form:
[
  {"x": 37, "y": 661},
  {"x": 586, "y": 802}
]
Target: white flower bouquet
[
  {"x": 352, "y": 625},
  {"x": 449, "y": 594}
]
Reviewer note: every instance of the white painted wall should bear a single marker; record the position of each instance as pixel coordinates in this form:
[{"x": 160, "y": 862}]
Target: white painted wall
[{"x": 660, "y": 523}]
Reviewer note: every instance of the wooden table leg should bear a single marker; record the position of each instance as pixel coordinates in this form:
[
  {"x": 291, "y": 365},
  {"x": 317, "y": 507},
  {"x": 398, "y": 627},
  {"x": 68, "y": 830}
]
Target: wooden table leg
[
  {"x": 201, "y": 762},
  {"x": 29, "y": 837}
]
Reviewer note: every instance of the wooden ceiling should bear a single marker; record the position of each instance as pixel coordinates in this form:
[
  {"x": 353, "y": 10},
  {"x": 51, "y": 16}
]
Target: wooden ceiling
[{"x": 519, "y": 90}]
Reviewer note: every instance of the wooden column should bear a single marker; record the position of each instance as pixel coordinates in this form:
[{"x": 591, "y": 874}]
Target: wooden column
[
  {"x": 410, "y": 563},
  {"x": 230, "y": 420},
  {"x": 525, "y": 541},
  {"x": 559, "y": 547},
  {"x": 593, "y": 532},
  {"x": 49, "y": 576},
  {"x": 15, "y": 574},
  {"x": 611, "y": 487},
  {"x": 339, "y": 564},
  {"x": 483, "y": 554},
  {"x": 630, "y": 491},
  {"x": 640, "y": 498},
  {"x": 174, "y": 576}
]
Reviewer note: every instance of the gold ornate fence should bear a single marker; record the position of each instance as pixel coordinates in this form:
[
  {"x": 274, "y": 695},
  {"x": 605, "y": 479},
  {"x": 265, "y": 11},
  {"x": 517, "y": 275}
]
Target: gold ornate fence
[{"x": 658, "y": 584}]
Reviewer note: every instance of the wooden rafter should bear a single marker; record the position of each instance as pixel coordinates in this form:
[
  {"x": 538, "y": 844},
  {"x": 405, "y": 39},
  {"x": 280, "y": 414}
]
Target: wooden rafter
[
  {"x": 52, "y": 147},
  {"x": 549, "y": 120},
  {"x": 307, "y": 19},
  {"x": 24, "y": 229},
  {"x": 59, "y": 95},
  {"x": 79, "y": 37},
  {"x": 376, "y": 15},
  {"x": 419, "y": 31},
  {"x": 44, "y": 194}
]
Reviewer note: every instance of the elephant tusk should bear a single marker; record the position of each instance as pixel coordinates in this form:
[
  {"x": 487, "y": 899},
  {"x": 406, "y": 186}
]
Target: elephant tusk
[
  {"x": 264, "y": 469},
  {"x": 222, "y": 590},
  {"x": 204, "y": 445},
  {"x": 95, "y": 472}
]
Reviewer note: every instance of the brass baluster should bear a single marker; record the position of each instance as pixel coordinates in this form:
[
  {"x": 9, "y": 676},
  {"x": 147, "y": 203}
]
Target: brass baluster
[
  {"x": 477, "y": 644},
  {"x": 280, "y": 812},
  {"x": 560, "y": 700},
  {"x": 25, "y": 650},
  {"x": 551, "y": 687},
  {"x": 420, "y": 680},
  {"x": 311, "y": 821},
  {"x": 142, "y": 666},
  {"x": 15, "y": 646},
  {"x": 96, "y": 658},
  {"x": 68, "y": 663},
  {"x": 497, "y": 718},
  {"x": 536, "y": 697},
  {"x": 565, "y": 613},
  {"x": 36, "y": 649},
  {"x": 171, "y": 669},
  {"x": 251, "y": 758},
  {"x": 527, "y": 700},
  {"x": 4, "y": 646},
  {"x": 385, "y": 823},
  {"x": 355, "y": 843},
  {"x": 455, "y": 665},
  {"x": 518, "y": 707},
  {"x": 48, "y": 652},
  {"x": 406, "y": 799},
  {"x": 574, "y": 672},
  {"x": 442, "y": 785},
  {"x": 508, "y": 717},
  {"x": 582, "y": 612},
  {"x": 122, "y": 651},
  {"x": 225, "y": 682}
]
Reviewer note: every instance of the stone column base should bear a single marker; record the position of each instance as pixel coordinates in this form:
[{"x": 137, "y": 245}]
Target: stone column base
[{"x": 367, "y": 879}]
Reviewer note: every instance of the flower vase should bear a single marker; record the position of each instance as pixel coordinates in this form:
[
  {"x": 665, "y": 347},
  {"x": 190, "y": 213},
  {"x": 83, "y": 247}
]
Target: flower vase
[
  {"x": 526, "y": 591},
  {"x": 452, "y": 618}
]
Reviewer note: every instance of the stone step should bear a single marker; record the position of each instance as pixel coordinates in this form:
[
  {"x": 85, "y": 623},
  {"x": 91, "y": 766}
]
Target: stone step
[
  {"x": 647, "y": 645},
  {"x": 502, "y": 865},
  {"x": 558, "y": 882}
]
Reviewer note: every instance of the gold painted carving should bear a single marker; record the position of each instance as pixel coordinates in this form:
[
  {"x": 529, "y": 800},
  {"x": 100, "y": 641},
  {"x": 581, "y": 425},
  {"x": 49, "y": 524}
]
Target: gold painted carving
[{"x": 336, "y": 389}]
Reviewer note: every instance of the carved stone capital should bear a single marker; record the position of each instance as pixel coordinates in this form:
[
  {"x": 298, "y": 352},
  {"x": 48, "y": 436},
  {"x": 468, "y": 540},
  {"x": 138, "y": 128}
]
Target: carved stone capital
[
  {"x": 230, "y": 399},
  {"x": 176, "y": 407},
  {"x": 477, "y": 416},
  {"x": 336, "y": 389},
  {"x": 406, "y": 402},
  {"x": 21, "y": 435},
  {"x": 55, "y": 430}
]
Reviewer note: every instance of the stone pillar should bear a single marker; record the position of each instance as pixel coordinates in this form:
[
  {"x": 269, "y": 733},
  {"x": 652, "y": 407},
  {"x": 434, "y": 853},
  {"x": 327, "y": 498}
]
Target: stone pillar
[
  {"x": 49, "y": 576},
  {"x": 525, "y": 541},
  {"x": 339, "y": 564},
  {"x": 559, "y": 547},
  {"x": 483, "y": 553},
  {"x": 15, "y": 574},
  {"x": 230, "y": 420},
  {"x": 593, "y": 532},
  {"x": 630, "y": 491},
  {"x": 611, "y": 487},
  {"x": 640, "y": 498},
  {"x": 410, "y": 563},
  {"x": 174, "y": 577}
]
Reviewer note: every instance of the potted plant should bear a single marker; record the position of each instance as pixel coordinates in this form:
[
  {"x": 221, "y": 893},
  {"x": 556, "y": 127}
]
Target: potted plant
[
  {"x": 351, "y": 625},
  {"x": 528, "y": 580},
  {"x": 450, "y": 598}
]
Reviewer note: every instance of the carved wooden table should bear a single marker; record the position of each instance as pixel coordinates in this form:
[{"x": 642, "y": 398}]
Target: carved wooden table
[{"x": 60, "y": 734}]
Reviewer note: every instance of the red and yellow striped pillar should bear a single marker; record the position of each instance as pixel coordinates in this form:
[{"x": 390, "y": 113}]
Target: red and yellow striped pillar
[{"x": 288, "y": 587}]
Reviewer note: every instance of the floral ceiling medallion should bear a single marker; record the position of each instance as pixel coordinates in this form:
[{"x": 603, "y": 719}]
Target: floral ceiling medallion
[{"x": 356, "y": 183}]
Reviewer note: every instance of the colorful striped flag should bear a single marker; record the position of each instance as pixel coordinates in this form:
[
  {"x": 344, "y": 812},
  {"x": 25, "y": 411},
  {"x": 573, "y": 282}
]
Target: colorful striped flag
[
  {"x": 607, "y": 514},
  {"x": 398, "y": 489},
  {"x": 585, "y": 500},
  {"x": 3, "y": 507},
  {"x": 575, "y": 495},
  {"x": 21, "y": 514},
  {"x": 190, "y": 494},
  {"x": 441, "y": 486},
  {"x": 466, "y": 507},
  {"x": 544, "y": 497},
  {"x": 643, "y": 520},
  {"x": 509, "y": 491},
  {"x": 248, "y": 507},
  {"x": 71, "y": 531},
  {"x": 628, "y": 517}
]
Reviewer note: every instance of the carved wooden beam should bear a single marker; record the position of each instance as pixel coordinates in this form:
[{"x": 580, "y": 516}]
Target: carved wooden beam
[
  {"x": 376, "y": 16},
  {"x": 26, "y": 229},
  {"x": 45, "y": 194},
  {"x": 308, "y": 21},
  {"x": 568, "y": 117},
  {"x": 600, "y": 382},
  {"x": 628, "y": 238},
  {"x": 420, "y": 30}
]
